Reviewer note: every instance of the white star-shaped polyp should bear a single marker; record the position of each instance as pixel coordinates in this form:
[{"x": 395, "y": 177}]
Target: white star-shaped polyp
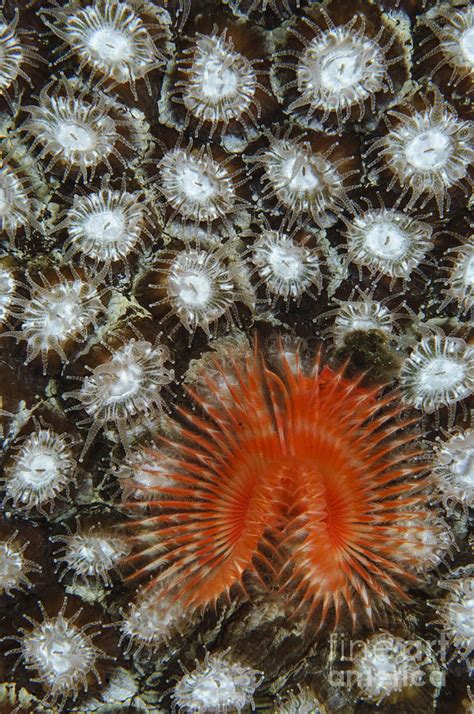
[
  {"x": 74, "y": 137},
  {"x": 58, "y": 654},
  {"x": 42, "y": 469},
  {"x": 462, "y": 618},
  {"x": 194, "y": 290},
  {"x": 110, "y": 45},
  {"x": 61, "y": 653},
  {"x": 340, "y": 69},
  {"x": 466, "y": 44},
  {"x": 300, "y": 175},
  {"x": 220, "y": 84},
  {"x": 11, "y": 56},
  {"x": 284, "y": 263},
  {"x": 303, "y": 179},
  {"x": 386, "y": 240},
  {"x": 126, "y": 383},
  {"x": 440, "y": 374},
  {"x": 195, "y": 184},
  {"x": 108, "y": 226},
  {"x": 429, "y": 150},
  {"x": 217, "y": 81}
]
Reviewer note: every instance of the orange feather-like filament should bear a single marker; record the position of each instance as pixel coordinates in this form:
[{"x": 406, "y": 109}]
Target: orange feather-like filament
[{"x": 298, "y": 475}]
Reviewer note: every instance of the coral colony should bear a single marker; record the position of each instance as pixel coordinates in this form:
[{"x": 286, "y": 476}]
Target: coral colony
[{"x": 236, "y": 356}]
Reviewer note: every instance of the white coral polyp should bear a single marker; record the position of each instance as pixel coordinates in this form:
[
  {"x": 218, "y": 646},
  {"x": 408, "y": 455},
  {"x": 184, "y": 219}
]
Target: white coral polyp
[
  {"x": 200, "y": 288},
  {"x": 15, "y": 208},
  {"x": 428, "y": 152},
  {"x": 78, "y": 129},
  {"x": 57, "y": 313},
  {"x": 456, "y": 613},
  {"x": 302, "y": 702},
  {"x": 74, "y": 130},
  {"x": 142, "y": 470},
  {"x": 438, "y": 373},
  {"x": 460, "y": 284},
  {"x": 386, "y": 664},
  {"x": 125, "y": 387},
  {"x": 302, "y": 181},
  {"x": 216, "y": 686},
  {"x": 14, "y": 566},
  {"x": 110, "y": 38},
  {"x": 105, "y": 226},
  {"x": 286, "y": 268},
  {"x": 11, "y": 55},
  {"x": 338, "y": 69},
  {"x": 43, "y": 469},
  {"x": 424, "y": 544},
  {"x": 363, "y": 315},
  {"x": 466, "y": 43},
  {"x": 388, "y": 242},
  {"x": 62, "y": 656},
  {"x": 454, "y": 29},
  {"x": 221, "y": 83},
  {"x": 454, "y": 468},
  {"x": 93, "y": 555},
  {"x": 197, "y": 187},
  {"x": 150, "y": 620}
]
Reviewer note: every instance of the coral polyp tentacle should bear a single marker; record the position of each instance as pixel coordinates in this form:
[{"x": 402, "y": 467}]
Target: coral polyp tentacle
[{"x": 293, "y": 475}]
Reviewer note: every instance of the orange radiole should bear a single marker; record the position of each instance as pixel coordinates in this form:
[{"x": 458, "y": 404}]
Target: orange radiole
[{"x": 299, "y": 476}]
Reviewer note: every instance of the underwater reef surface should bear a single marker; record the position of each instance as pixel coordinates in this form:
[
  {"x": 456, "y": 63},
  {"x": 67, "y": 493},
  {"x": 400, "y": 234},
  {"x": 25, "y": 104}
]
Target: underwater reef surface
[{"x": 236, "y": 356}]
